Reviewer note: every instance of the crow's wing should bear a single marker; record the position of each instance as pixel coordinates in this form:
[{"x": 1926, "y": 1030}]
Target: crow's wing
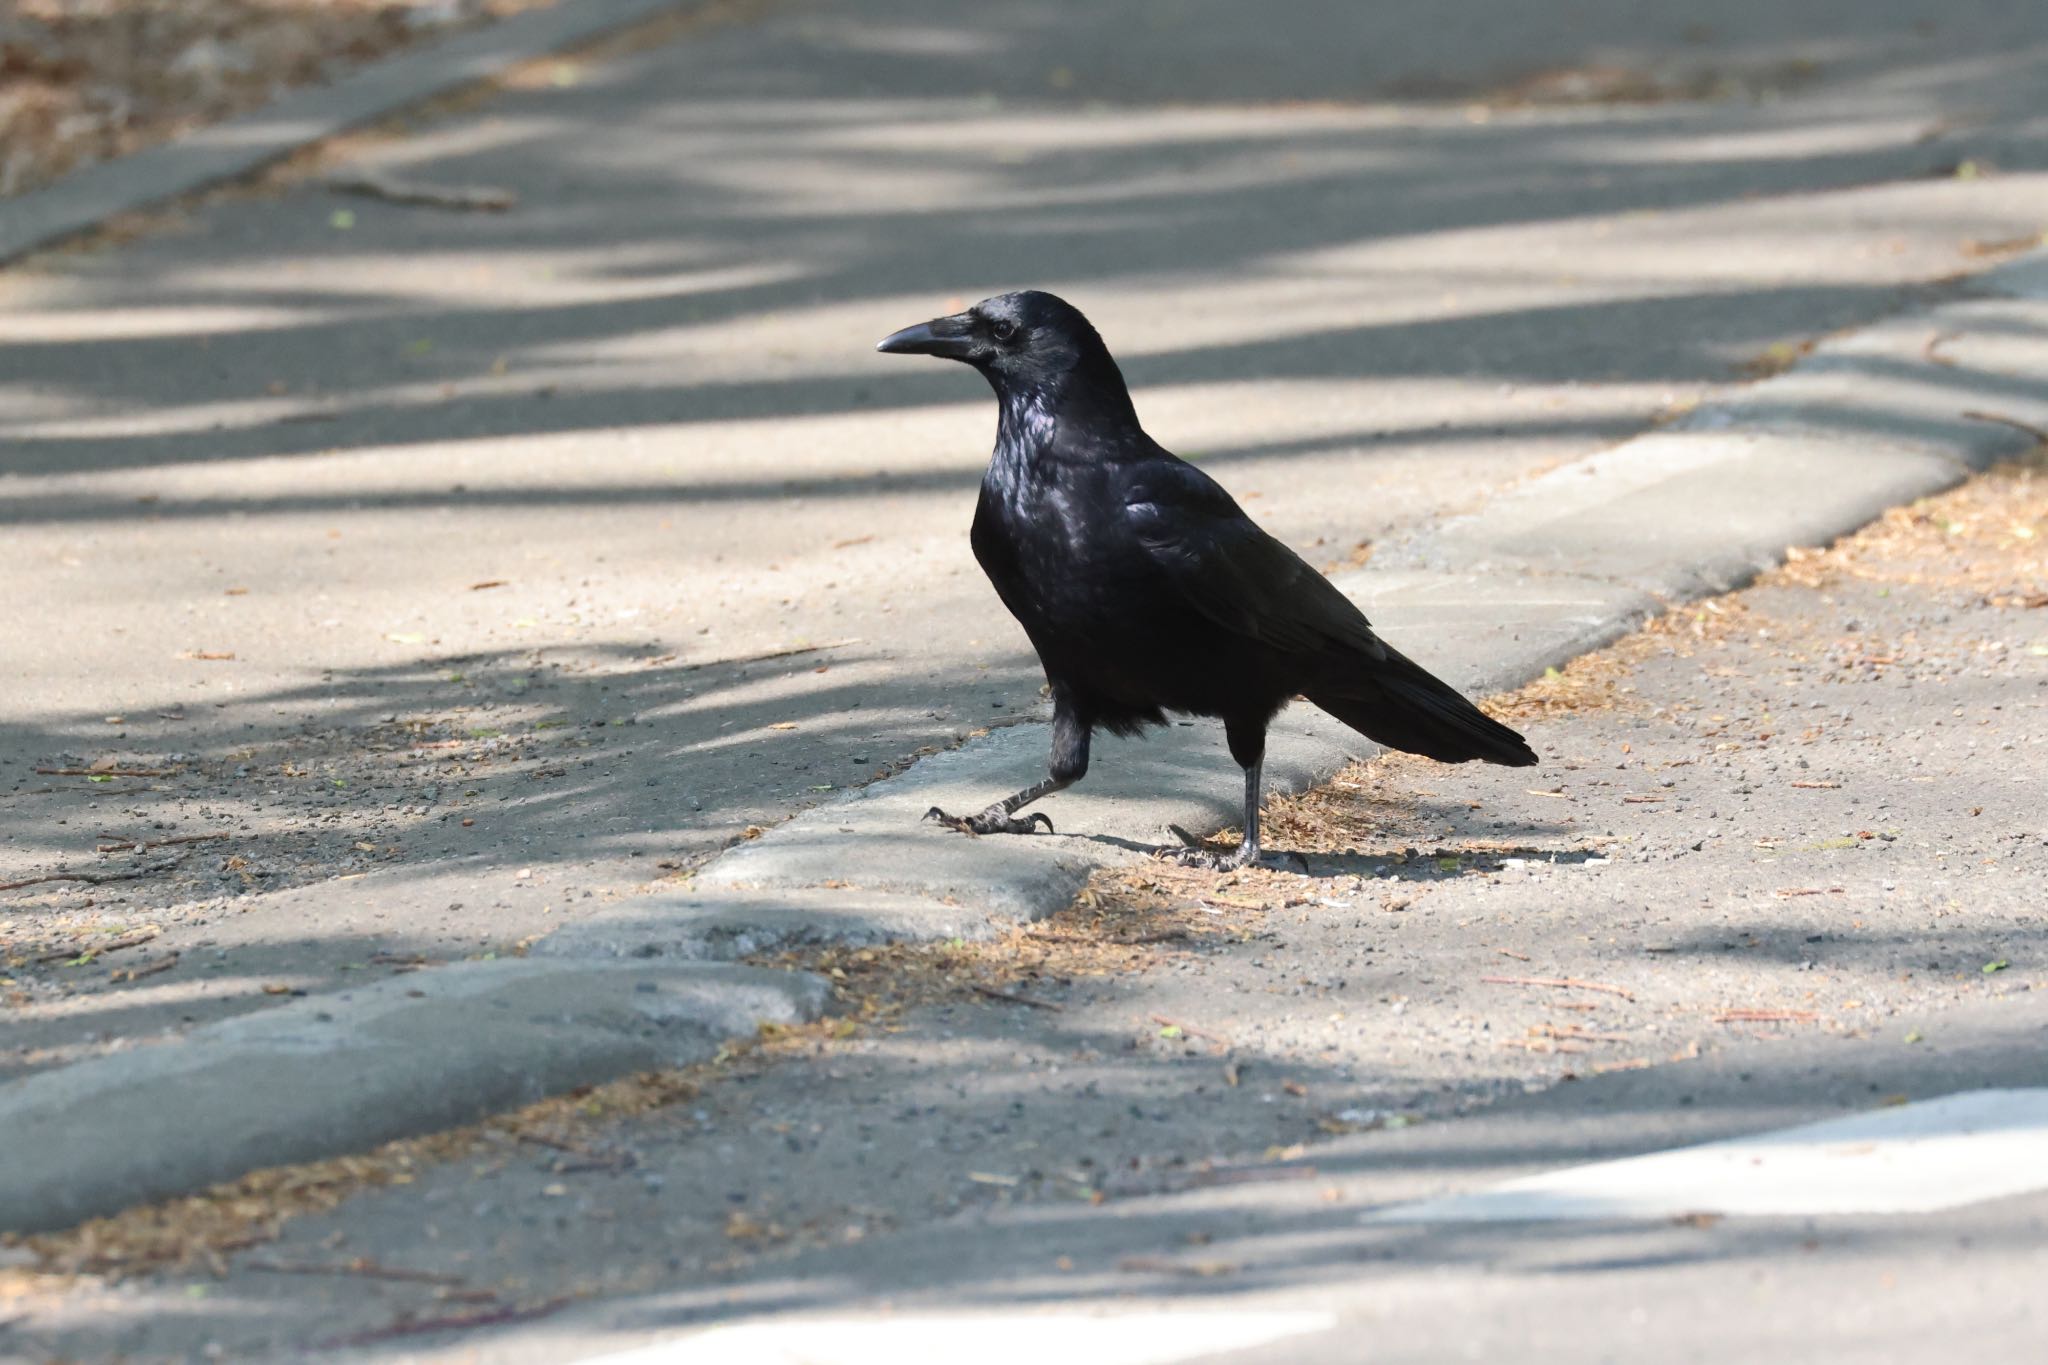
[{"x": 1232, "y": 572}]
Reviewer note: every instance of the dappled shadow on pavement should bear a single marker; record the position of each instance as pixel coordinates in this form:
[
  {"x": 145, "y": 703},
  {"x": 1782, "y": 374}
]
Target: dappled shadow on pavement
[{"x": 506, "y": 482}]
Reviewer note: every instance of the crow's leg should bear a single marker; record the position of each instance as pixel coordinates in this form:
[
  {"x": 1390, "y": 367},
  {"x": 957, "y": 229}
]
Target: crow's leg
[
  {"x": 1247, "y": 850},
  {"x": 1070, "y": 733},
  {"x": 1248, "y": 747}
]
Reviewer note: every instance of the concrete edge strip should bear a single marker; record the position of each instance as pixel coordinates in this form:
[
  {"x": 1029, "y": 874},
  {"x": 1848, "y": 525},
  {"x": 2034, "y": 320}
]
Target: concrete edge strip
[
  {"x": 413, "y": 1054},
  {"x": 227, "y": 151}
]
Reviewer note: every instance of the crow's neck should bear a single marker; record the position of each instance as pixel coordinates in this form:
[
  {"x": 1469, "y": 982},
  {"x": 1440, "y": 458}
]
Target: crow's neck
[{"x": 1039, "y": 427}]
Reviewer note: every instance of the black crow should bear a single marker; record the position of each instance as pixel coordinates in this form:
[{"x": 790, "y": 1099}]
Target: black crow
[{"x": 1146, "y": 589}]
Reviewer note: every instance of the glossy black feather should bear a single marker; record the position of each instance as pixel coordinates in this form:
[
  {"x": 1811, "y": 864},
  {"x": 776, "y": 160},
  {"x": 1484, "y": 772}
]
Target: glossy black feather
[{"x": 1146, "y": 589}]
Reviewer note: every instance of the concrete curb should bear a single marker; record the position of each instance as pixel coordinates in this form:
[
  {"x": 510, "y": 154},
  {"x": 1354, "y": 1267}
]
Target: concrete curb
[
  {"x": 414, "y": 1054},
  {"x": 225, "y": 151},
  {"x": 1540, "y": 575}
]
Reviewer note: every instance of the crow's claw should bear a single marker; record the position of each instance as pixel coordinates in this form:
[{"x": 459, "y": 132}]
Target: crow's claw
[
  {"x": 1206, "y": 859},
  {"x": 992, "y": 821}
]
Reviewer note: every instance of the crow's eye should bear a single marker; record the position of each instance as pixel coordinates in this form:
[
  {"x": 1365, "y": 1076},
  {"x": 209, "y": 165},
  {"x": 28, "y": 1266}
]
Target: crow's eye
[{"x": 1003, "y": 329}]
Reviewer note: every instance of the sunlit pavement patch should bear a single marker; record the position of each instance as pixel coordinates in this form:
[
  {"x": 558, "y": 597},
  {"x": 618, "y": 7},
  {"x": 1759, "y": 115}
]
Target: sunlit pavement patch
[
  {"x": 1916, "y": 1158},
  {"x": 986, "y": 1339}
]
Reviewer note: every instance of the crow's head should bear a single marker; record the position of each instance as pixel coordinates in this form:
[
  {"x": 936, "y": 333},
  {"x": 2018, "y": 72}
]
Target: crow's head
[{"x": 1027, "y": 340}]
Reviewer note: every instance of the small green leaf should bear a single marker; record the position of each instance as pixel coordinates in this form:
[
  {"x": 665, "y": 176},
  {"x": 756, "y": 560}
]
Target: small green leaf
[
  {"x": 341, "y": 220},
  {"x": 1170, "y": 1031},
  {"x": 100, "y": 777},
  {"x": 2000, "y": 965},
  {"x": 1914, "y": 1036}
]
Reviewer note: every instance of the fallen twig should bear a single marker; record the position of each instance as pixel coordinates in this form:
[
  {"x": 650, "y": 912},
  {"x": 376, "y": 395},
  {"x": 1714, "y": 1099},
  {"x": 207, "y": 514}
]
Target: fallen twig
[
  {"x": 1563, "y": 983},
  {"x": 1163, "y": 1266},
  {"x": 992, "y": 993},
  {"x": 1206, "y": 1179},
  {"x": 462, "y": 198},
  {"x": 558, "y": 1144},
  {"x": 408, "y": 1325},
  {"x": 1766, "y": 1017},
  {"x": 1631, "y": 1064},
  {"x": 789, "y": 653},
  {"x": 105, "y": 772},
  {"x": 134, "y": 940},
  {"x": 2015, "y": 423},
  {"x": 162, "y": 964},
  {"x": 121, "y": 845},
  {"x": 1508, "y": 952},
  {"x": 360, "y": 1265},
  {"x": 1130, "y": 941},
  {"x": 1540, "y": 1045},
  {"x": 1818, "y": 786},
  {"x": 91, "y": 878},
  {"x": 1577, "y": 1033}
]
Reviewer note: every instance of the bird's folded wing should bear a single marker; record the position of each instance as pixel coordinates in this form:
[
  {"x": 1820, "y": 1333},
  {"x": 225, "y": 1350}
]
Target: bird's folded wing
[{"x": 1234, "y": 573}]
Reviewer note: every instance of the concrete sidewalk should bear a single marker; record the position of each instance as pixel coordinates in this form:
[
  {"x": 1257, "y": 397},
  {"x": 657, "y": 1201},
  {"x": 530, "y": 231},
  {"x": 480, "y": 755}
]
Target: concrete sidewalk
[{"x": 461, "y": 572}]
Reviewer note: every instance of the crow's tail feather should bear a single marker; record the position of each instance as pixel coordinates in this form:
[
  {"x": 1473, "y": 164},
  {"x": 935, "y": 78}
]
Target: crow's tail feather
[{"x": 1402, "y": 706}]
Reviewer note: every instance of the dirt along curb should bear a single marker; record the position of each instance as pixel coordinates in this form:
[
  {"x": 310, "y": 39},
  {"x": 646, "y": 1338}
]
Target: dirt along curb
[
  {"x": 89, "y": 198},
  {"x": 1565, "y": 564}
]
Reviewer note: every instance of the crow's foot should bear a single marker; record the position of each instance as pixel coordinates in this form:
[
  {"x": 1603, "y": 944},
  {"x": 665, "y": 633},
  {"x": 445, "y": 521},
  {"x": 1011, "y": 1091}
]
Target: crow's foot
[
  {"x": 1192, "y": 853},
  {"x": 992, "y": 821}
]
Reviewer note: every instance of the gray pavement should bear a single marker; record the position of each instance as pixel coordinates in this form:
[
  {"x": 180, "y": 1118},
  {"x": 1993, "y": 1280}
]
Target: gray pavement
[
  {"x": 1785, "y": 847},
  {"x": 643, "y": 403},
  {"x": 451, "y": 567}
]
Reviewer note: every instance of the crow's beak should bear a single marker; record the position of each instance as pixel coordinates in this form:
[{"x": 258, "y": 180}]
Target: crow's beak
[{"x": 951, "y": 337}]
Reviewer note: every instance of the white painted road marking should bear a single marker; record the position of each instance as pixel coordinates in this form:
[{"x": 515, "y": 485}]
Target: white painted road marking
[
  {"x": 1917, "y": 1158},
  {"x": 984, "y": 1338}
]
